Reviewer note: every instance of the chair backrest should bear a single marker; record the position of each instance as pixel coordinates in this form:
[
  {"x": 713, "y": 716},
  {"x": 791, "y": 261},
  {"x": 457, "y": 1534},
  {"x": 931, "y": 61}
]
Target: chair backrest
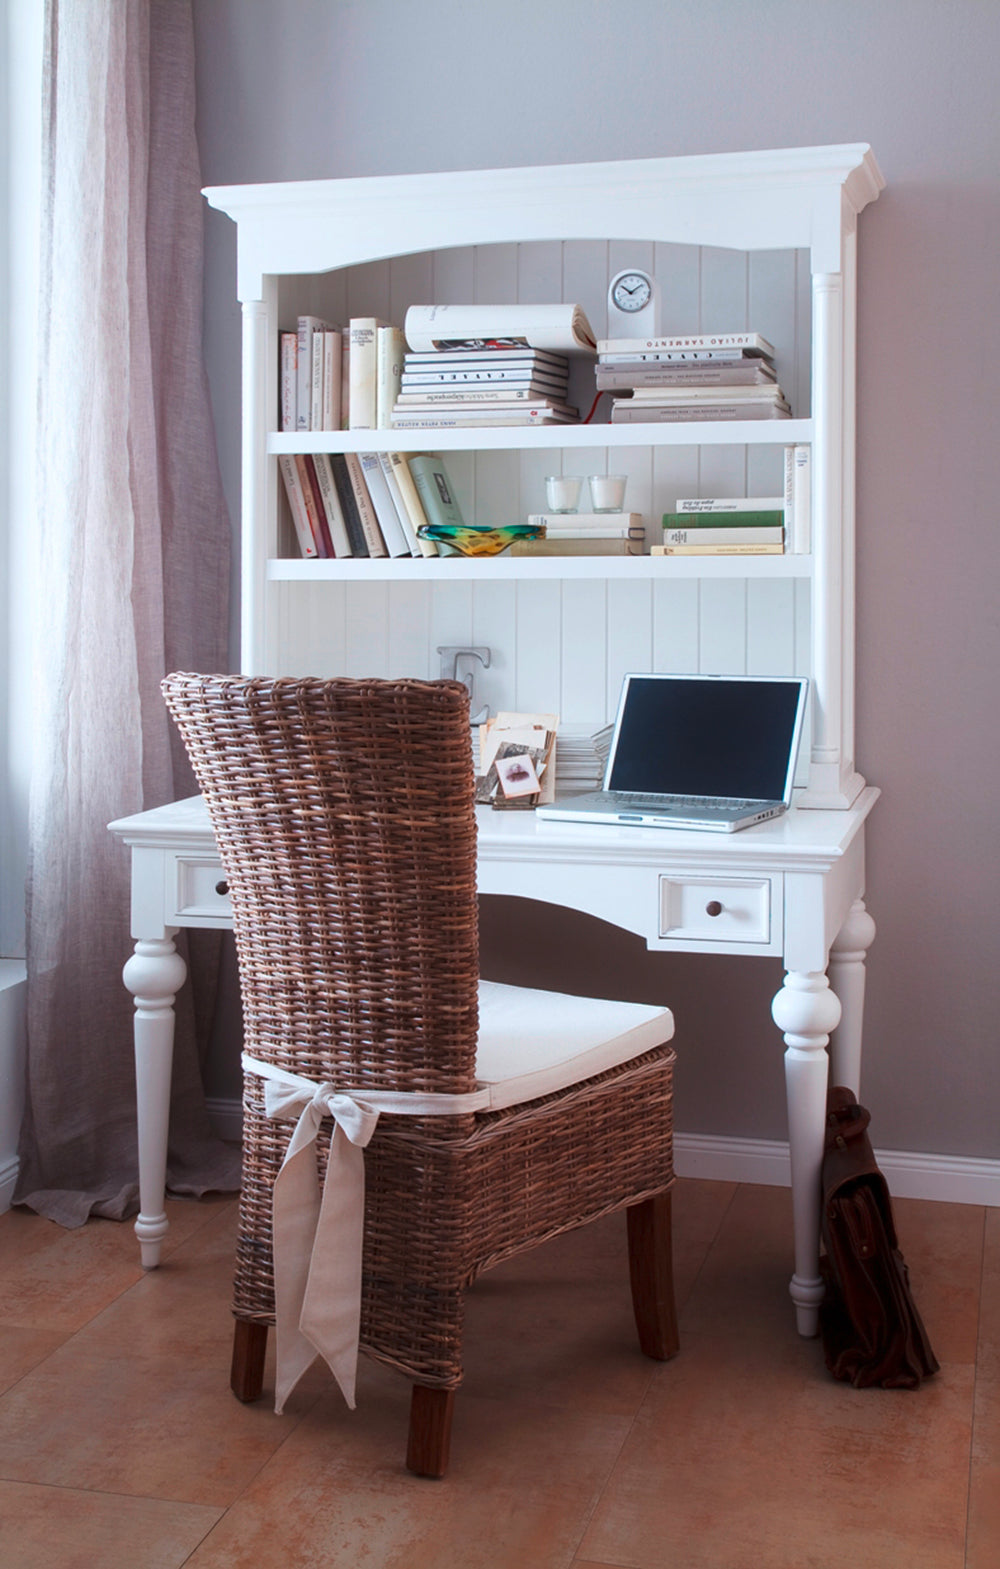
[{"x": 344, "y": 816}]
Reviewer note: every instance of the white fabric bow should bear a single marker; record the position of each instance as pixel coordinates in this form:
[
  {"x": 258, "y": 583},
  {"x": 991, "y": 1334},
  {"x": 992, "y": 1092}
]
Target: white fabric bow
[{"x": 317, "y": 1236}]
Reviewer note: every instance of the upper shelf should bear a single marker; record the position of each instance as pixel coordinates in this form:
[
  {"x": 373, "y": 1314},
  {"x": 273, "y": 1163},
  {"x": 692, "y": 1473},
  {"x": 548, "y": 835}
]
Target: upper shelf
[
  {"x": 737, "y": 433},
  {"x": 783, "y": 199}
]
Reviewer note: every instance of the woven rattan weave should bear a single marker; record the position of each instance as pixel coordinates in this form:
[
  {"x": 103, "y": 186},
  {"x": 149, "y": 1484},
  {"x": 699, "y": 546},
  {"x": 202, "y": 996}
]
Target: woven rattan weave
[{"x": 344, "y": 816}]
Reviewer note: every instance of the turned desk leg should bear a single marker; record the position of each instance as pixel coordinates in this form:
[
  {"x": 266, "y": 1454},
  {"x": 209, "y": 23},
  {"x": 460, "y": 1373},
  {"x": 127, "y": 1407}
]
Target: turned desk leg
[
  {"x": 154, "y": 975},
  {"x": 847, "y": 977},
  {"x": 806, "y": 1010}
]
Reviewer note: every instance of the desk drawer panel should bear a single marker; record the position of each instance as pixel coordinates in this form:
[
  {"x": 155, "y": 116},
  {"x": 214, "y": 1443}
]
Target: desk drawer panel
[
  {"x": 716, "y": 909},
  {"x": 200, "y": 889}
]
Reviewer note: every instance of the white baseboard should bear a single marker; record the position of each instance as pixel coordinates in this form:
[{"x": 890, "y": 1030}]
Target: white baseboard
[{"x": 955, "y": 1179}]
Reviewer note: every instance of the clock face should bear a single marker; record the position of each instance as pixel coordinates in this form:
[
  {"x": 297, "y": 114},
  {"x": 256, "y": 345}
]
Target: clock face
[{"x": 631, "y": 291}]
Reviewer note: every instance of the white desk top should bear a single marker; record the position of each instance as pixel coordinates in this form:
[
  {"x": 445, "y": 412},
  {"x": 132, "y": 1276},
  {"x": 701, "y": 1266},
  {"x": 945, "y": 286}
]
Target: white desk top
[{"x": 802, "y": 838}]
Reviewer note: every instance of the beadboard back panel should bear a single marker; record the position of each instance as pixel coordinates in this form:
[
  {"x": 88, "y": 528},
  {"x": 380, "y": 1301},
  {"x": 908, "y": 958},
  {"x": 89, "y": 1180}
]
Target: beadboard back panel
[{"x": 564, "y": 646}]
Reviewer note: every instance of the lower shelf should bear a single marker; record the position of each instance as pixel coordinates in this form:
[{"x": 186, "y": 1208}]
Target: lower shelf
[{"x": 496, "y": 568}]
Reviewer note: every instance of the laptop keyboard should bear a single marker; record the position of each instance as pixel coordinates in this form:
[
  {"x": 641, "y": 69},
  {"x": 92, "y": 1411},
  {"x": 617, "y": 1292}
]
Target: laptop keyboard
[{"x": 717, "y": 803}]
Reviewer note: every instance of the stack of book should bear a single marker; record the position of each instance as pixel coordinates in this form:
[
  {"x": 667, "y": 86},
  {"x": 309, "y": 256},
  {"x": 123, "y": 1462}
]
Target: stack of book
[
  {"x": 709, "y": 376},
  {"x": 749, "y": 526},
  {"x": 584, "y": 534},
  {"x": 481, "y": 365},
  {"x": 359, "y": 504},
  {"x": 488, "y": 386}
]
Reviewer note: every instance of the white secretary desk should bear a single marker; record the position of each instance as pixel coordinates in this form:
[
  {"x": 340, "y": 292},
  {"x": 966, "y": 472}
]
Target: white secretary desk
[{"x": 765, "y": 240}]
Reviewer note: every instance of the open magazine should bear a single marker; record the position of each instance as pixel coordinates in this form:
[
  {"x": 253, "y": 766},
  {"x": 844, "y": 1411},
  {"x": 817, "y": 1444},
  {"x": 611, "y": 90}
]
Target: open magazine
[{"x": 441, "y": 327}]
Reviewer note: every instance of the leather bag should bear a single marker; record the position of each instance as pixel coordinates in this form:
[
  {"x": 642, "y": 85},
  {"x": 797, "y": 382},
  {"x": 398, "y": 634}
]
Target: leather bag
[{"x": 872, "y": 1332}]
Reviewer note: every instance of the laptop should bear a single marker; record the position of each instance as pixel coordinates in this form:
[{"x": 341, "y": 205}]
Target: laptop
[{"x": 712, "y": 752}]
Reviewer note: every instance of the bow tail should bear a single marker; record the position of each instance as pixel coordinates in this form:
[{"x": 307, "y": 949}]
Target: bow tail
[
  {"x": 296, "y": 1205},
  {"x": 331, "y": 1309}
]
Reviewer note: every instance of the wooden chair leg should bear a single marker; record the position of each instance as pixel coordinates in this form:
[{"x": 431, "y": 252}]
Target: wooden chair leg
[
  {"x": 246, "y": 1378},
  {"x": 429, "y": 1441},
  {"x": 651, "y": 1271}
]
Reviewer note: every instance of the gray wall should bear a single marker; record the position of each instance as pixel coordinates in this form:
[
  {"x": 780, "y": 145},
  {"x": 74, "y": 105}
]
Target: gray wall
[{"x": 305, "y": 89}]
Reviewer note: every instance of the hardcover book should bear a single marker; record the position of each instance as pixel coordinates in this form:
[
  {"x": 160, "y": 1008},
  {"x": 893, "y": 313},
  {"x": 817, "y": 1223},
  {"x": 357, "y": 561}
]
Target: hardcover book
[
  {"x": 310, "y": 341},
  {"x": 362, "y": 373},
  {"x": 390, "y": 348},
  {"x": 289, "y": 373},
  {"x": 348, "y": 505},
  {"x": 297, "y": 506},
  {"x": 435, "y": 489},
  {"x": 765, "y": 517},
  {"x": 639, "y": 374},
  {"x": 724, "y": 536},
  {"x": 746, "y": 342},
  {"x": 731, "y": 503},
  {"x": 412, "y": 503},
  {"x": 392, "y": 484},
  {"x": 627, "y": 412},
  {"x": 391, "y": 529},
  {"x": 366, "y": 511},
  {"x": 339, "y": 540},
  {"x": 314, "y": 504}
]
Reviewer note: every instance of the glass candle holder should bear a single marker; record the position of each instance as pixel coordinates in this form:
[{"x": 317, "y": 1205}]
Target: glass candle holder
[
  {"x": 607, "y": 492},
  {"x": 562, "y": 492}
]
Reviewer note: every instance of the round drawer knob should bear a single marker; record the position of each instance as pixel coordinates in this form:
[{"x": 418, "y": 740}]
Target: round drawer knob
[
  {"x": 222, "y": 888},
  {"x": 713, "y": 907}
]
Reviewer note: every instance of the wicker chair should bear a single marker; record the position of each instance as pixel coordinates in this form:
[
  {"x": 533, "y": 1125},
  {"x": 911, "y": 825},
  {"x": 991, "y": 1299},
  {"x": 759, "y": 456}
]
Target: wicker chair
[{"x": 344, "y": 816}]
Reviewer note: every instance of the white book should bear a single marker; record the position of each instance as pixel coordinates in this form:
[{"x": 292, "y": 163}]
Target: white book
[
  {"x": 331, "y": 505},
  {"x": 587, "y": 521},
  {"x": 798, "y": 498},
  {"x": 396, "y": 542},
  {"x": 563, "y": 327},
  {"x": 389, "y": 472},
  {"x": 469, "y": 418},
  {"x": 745, "y": 341},
  {"x": 486, "y": 413},
  {"x": 475, "y": 394},
  {"x": 390, "y": 348},
  {"x": 289, "y": 372},
  {"x": 308, "y": 327},
  {"x": 474, "y": 359},
  {"x": 596, "y": 531},
  {"x": 411, "y": 501},
  {"x": 721, "y": 394},
  {"x": 332, "y": 356},
  {"x": 363, "y": 364},
  {"x": 731, "y": 503},
  {"x": 679, "y": 357}
]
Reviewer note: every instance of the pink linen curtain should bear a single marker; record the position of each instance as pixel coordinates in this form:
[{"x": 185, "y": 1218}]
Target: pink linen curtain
[{"x": 133, "y": 561}]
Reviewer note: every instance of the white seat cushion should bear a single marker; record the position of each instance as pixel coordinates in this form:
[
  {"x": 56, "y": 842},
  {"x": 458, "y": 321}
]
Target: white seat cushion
[{"x": 533, "y": 1043}]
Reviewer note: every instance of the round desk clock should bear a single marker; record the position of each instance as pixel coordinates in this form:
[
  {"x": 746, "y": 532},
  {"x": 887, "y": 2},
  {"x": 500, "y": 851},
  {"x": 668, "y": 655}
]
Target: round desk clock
[{"x": 632, "y": 303}]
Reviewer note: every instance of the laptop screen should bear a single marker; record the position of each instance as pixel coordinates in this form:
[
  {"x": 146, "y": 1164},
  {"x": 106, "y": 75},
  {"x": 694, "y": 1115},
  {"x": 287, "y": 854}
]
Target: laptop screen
[{"x": 707, "y": 736}]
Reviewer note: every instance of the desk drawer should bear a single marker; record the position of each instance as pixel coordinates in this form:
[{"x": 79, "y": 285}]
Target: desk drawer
[
  {"x": 716, "y": 909},
  {"x": 200, "y": 891}
]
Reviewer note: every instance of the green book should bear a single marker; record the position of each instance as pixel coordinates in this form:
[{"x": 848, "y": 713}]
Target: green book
[
  {"x": 769, "y": 519},
  {"x": 436, "y": 492}
]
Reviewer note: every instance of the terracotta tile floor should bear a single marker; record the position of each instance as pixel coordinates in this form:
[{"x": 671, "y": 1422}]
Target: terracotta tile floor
[{"x": 122, "y": 1448}]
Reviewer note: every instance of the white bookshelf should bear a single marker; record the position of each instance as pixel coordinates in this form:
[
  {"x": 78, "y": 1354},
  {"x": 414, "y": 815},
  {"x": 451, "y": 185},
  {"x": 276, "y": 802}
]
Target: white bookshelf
[{"x": 761, "y": 240}]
